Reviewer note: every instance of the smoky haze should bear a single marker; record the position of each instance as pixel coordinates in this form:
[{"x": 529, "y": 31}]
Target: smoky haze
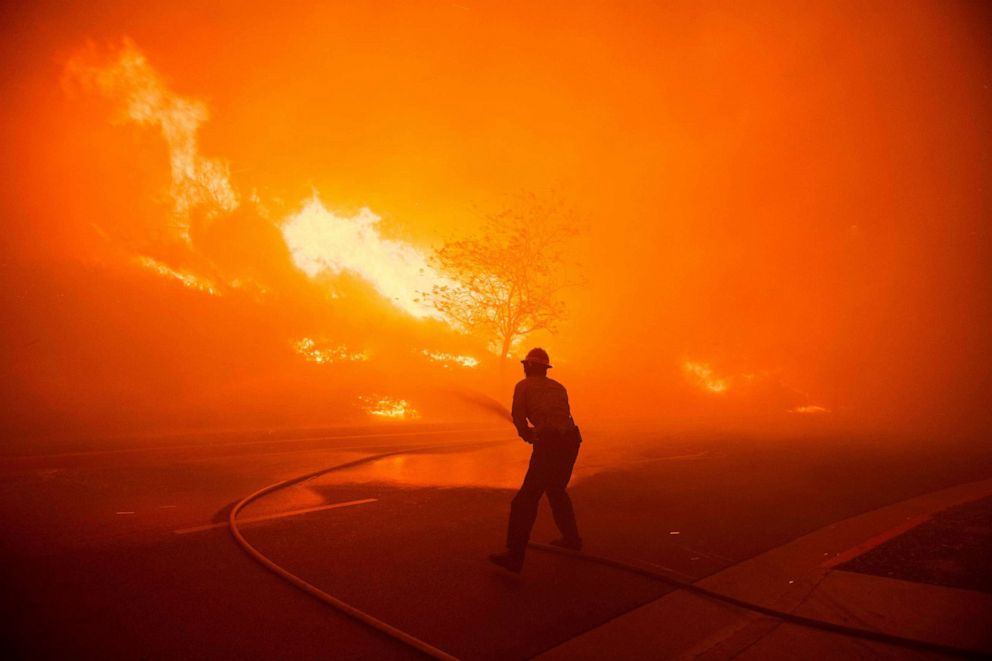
[{"x": 222, "y": 218}]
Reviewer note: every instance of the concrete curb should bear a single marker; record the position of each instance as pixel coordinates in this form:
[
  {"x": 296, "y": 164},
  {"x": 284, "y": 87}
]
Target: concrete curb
[{"x": 799, "y": 577}]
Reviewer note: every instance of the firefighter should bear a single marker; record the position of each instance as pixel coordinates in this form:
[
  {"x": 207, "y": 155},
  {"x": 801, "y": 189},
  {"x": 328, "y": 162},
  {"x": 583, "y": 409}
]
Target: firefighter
[{"x": 555, "y": 439}]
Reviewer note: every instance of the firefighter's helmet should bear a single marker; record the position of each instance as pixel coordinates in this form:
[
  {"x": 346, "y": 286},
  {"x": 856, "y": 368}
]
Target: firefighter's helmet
[{"x": 537, "y": 356}]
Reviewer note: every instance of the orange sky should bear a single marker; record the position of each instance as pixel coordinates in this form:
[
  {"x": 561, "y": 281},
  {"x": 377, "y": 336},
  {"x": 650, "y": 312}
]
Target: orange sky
[{"x": 796, "y": 198}]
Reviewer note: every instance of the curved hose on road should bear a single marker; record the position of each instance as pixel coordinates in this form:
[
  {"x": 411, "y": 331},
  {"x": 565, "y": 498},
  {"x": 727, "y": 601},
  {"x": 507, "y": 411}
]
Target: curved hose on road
[
  {"x": 434, "y": 652},
  {"x": 314, "y": 591}
]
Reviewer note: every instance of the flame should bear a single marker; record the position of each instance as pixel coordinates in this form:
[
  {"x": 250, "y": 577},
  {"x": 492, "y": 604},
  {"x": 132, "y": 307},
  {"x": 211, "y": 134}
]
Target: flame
[
  {"x": 809, "y": 409},
  {"x": 188, "y": 279},
  {"x": 324, "y": 241},
  {"x": 447, "y": 358},
  {"x": 307, "y": 348},
  {"x": 387, "y": 407},
  {"x": 703, "y": 376},
  {"x": 147, "y": 101},
  {"x": 319, "y": 240}
]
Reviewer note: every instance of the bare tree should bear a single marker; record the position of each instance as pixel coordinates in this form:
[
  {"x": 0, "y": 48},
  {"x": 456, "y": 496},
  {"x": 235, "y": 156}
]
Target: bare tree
[{"x": 505, "y": 284}]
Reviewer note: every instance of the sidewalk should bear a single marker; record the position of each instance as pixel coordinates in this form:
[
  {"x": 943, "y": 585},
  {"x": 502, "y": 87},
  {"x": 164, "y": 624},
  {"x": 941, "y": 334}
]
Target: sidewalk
[{"x": 807, "y": 577}]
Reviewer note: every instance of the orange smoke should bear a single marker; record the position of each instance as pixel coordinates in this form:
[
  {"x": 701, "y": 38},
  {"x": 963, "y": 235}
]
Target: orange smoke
[
  {"x": 703, "y": 375},
  {"x": 130, "y": 81},
  {"x": 785, "y": 207}
]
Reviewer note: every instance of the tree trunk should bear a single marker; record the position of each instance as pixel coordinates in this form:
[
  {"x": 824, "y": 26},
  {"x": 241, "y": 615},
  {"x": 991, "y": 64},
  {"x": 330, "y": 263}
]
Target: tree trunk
[{"x": 505, "y": 349}]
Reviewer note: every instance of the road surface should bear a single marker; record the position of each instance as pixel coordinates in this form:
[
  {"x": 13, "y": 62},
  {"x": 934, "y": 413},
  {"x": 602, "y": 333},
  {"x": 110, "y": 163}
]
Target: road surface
[{"x": 125, "y": 552}]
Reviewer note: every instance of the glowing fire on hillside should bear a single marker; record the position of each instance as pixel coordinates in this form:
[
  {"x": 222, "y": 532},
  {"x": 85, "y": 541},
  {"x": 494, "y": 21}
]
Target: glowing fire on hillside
[
  {"x": 388, "y": 407},
  {"x": 809, "y": 409},
  {"x": 322, "y": 355},
  {"x": 448, "y": 359},
  {"x": 187, "y": 279}
]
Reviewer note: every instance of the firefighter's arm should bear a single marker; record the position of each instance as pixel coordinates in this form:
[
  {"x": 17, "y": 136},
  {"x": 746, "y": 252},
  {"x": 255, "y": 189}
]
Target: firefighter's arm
[
  {"x": 527, "y": 433},
  {"x": 519, "y": 414}
]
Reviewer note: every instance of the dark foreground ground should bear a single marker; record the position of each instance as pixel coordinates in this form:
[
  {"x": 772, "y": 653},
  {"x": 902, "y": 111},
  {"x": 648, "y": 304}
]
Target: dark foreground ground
[
  {"x": 951, "y": 549},
  {"x": 111, "y": 554}
]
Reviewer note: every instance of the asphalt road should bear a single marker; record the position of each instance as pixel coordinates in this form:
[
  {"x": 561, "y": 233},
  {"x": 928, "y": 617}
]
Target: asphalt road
[{"x": 124, "y": 552}]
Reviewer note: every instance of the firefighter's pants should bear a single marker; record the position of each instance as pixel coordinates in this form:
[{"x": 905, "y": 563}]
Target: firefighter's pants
[{"x": 549, "y": 472}]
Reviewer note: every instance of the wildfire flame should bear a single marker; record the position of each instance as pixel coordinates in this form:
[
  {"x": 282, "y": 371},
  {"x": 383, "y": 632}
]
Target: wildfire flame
[
  {"x": 187, "y": 279},
  {"x": 703, "y": 376},
  {"x": 147, "y": 101},
  {"x": 324, "y": 241},
  {"x": 809, "y": 409},
  {"x": 387, "y": 407},
  {"x": 308, "y": 348},
  {"x": 448, "y": 358},
  {"x": 319, "y": 240}
]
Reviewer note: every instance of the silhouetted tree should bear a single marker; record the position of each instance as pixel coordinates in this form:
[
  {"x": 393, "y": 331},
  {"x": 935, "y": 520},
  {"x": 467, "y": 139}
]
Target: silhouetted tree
[{"x": 505, "y": 283}]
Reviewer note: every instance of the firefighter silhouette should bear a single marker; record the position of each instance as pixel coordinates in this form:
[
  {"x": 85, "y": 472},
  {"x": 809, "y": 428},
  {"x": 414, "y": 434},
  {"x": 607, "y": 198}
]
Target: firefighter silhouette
[{"x": 543, "y": 402}]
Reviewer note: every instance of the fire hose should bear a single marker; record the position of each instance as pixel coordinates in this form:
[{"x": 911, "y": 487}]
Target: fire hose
[{"x": 436, "y": 653}]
